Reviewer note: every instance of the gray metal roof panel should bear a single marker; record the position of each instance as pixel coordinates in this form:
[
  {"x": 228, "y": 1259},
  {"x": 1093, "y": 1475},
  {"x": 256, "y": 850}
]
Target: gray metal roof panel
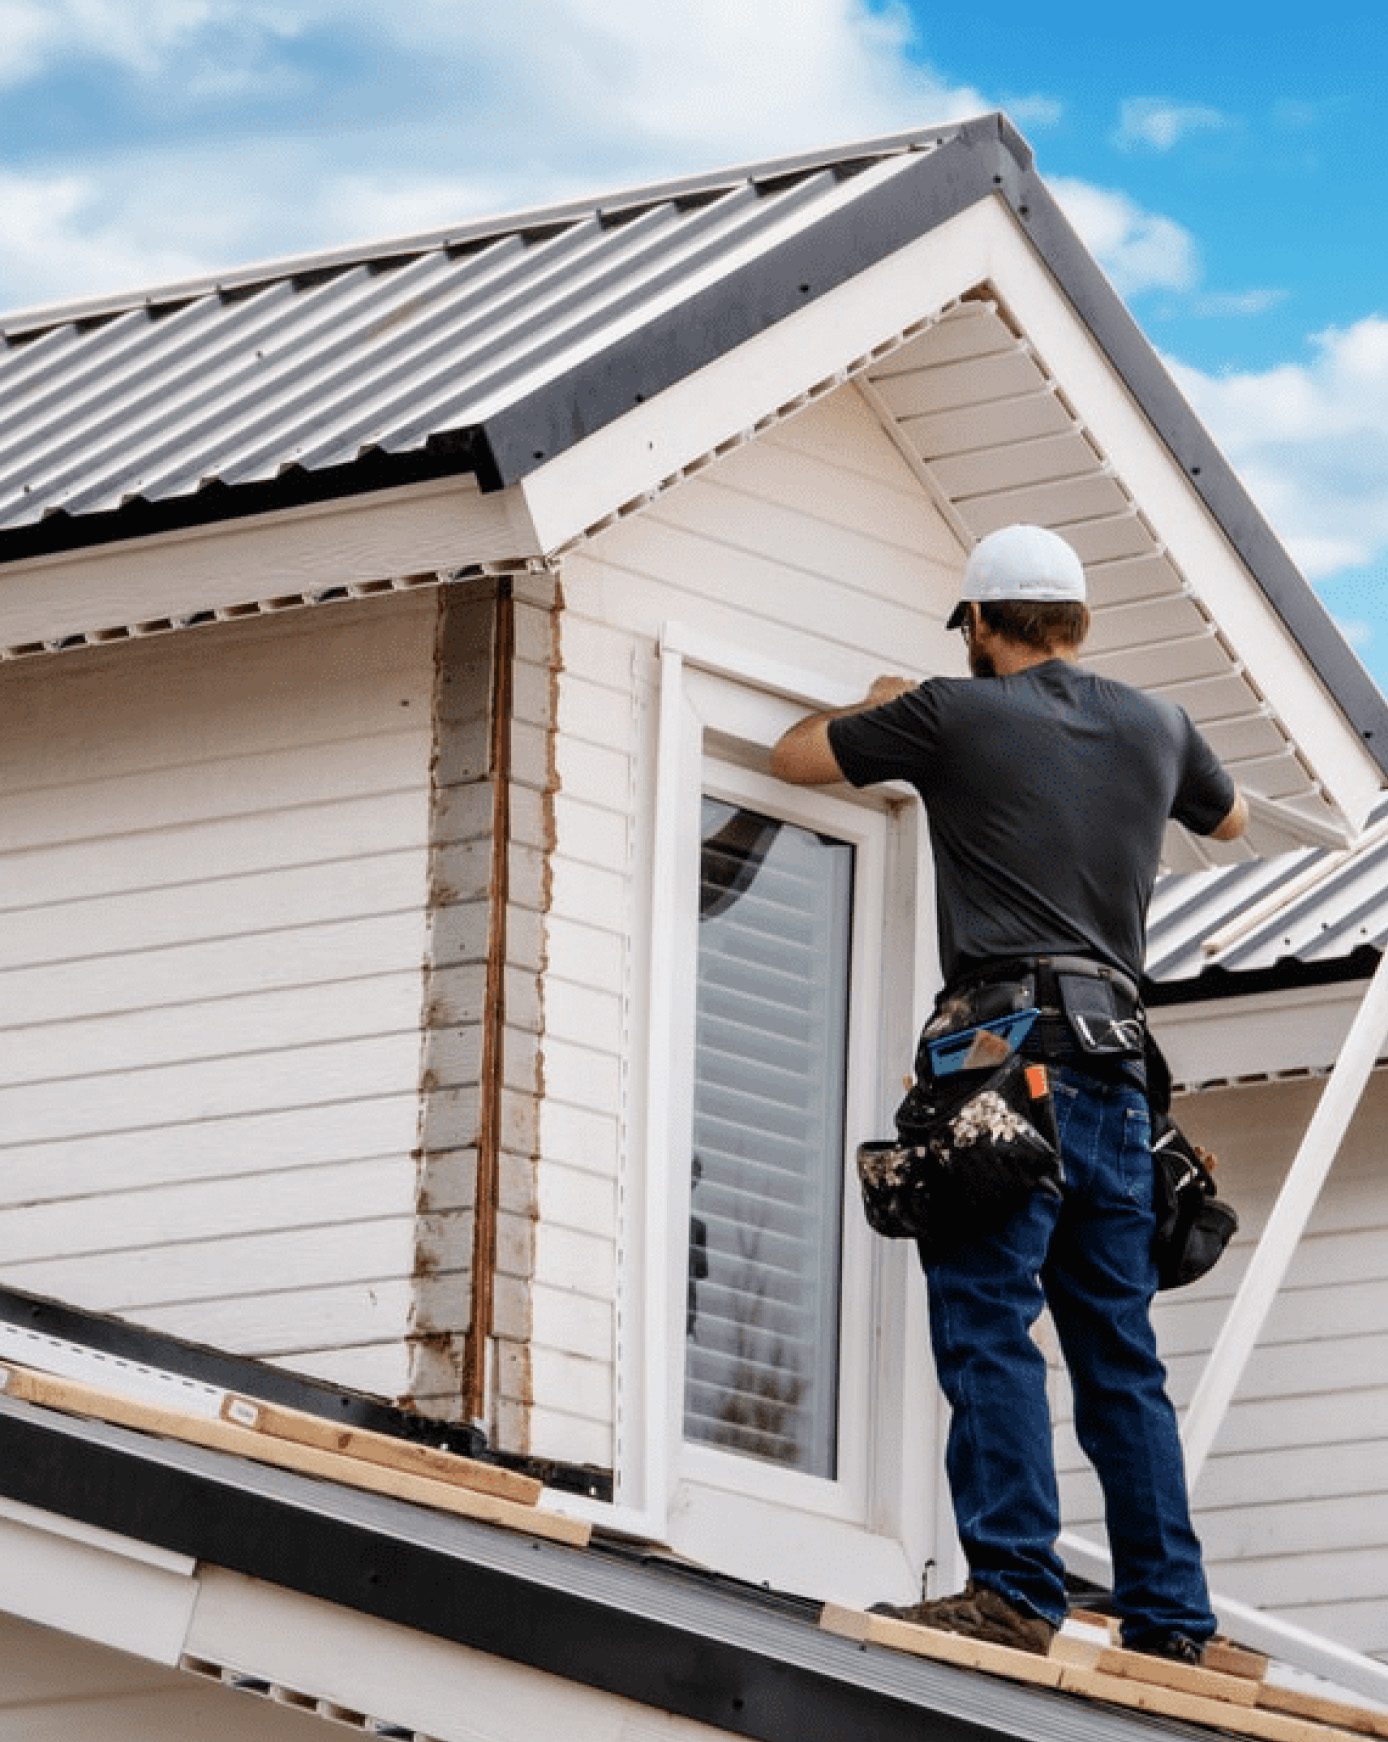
[
  {"x": 1306, "y": 908},
  {"x": 454, "y": 352},
  {"x": 158, "y": 402}
]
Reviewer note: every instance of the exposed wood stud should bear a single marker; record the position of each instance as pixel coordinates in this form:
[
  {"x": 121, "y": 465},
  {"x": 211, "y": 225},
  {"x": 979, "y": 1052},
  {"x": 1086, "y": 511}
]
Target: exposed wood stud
[{"x": 480, "y": 1326}]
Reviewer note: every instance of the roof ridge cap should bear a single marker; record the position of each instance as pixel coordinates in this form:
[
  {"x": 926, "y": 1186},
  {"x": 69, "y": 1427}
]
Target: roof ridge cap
[{"x": 41, "y": 317}]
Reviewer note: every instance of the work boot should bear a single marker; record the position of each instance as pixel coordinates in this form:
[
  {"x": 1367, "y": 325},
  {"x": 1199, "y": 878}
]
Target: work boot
[
  {"x": 1178, "y": 1647},
  {"x": 978, "y": 1613}
]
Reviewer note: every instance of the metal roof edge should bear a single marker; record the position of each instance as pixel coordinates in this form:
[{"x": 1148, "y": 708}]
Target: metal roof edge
[
  {"x": 40, "y": 316},
  {"x": 1287, "y": 975},
  {"x": 1191, "y": 446},
  {"x": 123, "y": 1340},
  {"x": 743, "y": 1664},
  {"x": 962, "y": 170}
]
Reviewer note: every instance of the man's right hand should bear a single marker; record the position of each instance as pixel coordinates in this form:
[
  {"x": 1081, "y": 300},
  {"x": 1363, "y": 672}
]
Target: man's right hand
[{"x": 887, "y": 689}]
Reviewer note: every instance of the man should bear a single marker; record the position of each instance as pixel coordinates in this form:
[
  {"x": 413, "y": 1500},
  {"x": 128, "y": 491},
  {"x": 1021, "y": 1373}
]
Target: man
[{"x": 1048, "y": 790}]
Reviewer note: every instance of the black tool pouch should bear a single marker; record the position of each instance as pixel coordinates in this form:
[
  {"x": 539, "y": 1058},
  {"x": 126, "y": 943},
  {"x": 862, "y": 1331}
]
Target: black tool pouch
[
  {"x": 970, "y": 1149},
  {"x": 1104, "y": 1019},
  {"x": 1193, "y": 1225}
]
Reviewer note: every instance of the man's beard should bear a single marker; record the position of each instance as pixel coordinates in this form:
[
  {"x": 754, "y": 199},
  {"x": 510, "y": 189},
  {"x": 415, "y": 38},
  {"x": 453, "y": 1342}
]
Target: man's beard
[{"x": 981, "y": 663}]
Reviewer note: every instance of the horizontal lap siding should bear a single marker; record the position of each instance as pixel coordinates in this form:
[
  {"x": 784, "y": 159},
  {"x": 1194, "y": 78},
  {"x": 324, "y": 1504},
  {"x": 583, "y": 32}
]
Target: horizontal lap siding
[
  {"x": 813, "y": 546},
  {"x": 213, "y": 862},
  {"x": 1292, "y": 1506}
]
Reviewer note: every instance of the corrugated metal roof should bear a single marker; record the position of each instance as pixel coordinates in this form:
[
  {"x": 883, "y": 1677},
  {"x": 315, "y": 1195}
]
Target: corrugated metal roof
[
  {"x": 495, "y": 347},
  {"x": 1313, "y": 908},
  {"x": 319, "y": 362}
]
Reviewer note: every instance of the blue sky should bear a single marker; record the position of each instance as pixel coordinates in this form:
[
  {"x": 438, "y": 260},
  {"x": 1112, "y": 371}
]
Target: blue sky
[{"x": 1221, "y": 162}]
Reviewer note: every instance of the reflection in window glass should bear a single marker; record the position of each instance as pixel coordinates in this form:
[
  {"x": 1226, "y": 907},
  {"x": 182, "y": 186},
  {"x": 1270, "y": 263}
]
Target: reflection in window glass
[{"x": 775, "y": 906}]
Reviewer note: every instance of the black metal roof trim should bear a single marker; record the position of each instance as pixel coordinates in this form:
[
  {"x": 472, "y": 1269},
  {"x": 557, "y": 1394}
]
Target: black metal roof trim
[
  {"x": 150, "y": 1348},
  {"x": 451, "y": 454},
  {"x": 961, "y": 170},
  {"x": 1287, "y": 975},
  {"x": 716, "y": 1655},
  {"x": 982, "y": 157},
  {"x": 1210, "y": 474}
]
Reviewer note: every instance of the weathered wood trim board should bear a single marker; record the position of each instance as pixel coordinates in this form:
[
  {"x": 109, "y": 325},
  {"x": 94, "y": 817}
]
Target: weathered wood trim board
[
  {"x": 292, "y": 1441},
  {"x": 1227, "y": 1692}
]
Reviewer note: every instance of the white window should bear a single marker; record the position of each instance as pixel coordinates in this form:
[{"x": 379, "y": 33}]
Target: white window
[
  {"x": 767, "y": 1168},
  {"x": 777, "y": 1380}
]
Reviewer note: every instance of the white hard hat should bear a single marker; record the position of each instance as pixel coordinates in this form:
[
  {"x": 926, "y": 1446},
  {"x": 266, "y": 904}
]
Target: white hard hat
[{"x": 1020, "y": 562}]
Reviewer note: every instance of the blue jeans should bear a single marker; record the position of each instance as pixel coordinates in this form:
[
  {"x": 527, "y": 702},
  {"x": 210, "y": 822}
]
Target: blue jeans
[{"x": 1088, "y": 1256}]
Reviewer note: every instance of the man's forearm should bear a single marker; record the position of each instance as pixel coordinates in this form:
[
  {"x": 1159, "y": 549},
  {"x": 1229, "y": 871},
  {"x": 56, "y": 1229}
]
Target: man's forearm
[{"x": 802, "y": 754}]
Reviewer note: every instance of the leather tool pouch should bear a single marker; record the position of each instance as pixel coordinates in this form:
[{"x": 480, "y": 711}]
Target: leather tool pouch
[
  {"x": 971, "y": 1148},
  {"x": 1105, "y": 1021}
]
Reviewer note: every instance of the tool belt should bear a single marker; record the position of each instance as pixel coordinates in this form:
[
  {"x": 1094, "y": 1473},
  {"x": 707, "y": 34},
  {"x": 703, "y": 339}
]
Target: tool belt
[{"x": 973, "y": 1145}]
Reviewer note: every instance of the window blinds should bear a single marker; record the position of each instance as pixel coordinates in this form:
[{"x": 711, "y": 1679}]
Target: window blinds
[{"x": 770, "y": 1062}]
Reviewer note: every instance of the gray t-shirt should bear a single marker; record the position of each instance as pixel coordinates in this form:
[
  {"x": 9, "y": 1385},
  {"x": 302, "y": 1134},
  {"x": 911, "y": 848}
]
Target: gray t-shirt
[{"x": 1048, "y": 793}]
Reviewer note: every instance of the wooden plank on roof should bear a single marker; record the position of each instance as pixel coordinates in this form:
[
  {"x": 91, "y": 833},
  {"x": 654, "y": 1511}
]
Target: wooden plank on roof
[
  {"x": 1218, "y": 1714},
  {"x": 300, "y": 1428},
  {"x": 1184, "y": 1677},
  {"x": 1003, "y": 1660},
  {"x": 73, "y": 1398},
  {"x": 1319, "y": 1710}
]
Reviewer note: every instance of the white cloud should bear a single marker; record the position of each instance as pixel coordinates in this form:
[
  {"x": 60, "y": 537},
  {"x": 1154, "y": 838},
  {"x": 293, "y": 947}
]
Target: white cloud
[
  {"x": 1310, "y": 439},
  {"x": 501, "y": 106},
  {"x": 1035, "y": 111},
  {"x": 34, "y": 34},
  {"x": 65, "y": 218},
  {"x": 1158, "y": 124},
  {"x": 1238, "y": 302},
  {"x": 1356, "y": 631},
  {"x": 1139, "y": 250}
]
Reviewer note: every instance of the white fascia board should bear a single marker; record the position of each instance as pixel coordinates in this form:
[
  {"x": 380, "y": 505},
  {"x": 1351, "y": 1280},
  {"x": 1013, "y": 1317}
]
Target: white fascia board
[
  {"x": 1197, "y": 543},
  {"x": 397, "y": 1676},
  {"x": 419, "y": 528},
  {"x": 95, "y": 1585},
  {"x": 633, "y": 455},
  {"x": 1265, "y": 1034}
]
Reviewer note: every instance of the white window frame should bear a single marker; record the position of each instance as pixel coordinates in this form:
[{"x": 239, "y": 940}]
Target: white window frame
[{"x": 877, "y": 1536}]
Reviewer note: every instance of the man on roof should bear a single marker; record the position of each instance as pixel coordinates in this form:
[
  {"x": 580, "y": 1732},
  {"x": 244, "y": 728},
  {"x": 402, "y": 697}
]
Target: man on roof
[{"x": 1048, "y": 790}]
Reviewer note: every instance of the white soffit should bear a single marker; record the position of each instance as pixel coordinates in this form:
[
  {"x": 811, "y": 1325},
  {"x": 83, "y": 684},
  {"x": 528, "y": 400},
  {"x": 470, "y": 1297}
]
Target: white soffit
[{"x": 996, "y": 438}]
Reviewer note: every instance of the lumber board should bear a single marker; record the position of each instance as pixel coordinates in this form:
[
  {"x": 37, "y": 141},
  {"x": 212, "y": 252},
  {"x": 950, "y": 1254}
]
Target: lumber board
[
  {"x": 1187, "y": 1678},
  {"x": 1234, "y": 1703},
  {"x": 73, "y": 1398},
  {"x": 1092, "y": 1618},
  {"x": 1082, "y": 1653},
  {"x": 942, "y": 1647},
  {"x": 1235, "y": 1660},
  {"x": 1194, "y": 1708},
  {"x": 1320, "y": 1710},
  {"x": 303, "y": 1429}
]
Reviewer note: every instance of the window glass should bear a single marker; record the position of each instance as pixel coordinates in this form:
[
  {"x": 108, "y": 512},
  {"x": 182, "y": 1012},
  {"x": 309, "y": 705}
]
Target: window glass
[{"x": 771, "y": 1051}]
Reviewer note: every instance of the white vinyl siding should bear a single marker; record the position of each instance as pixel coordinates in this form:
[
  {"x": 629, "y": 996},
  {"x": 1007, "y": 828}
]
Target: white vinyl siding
[
  {"x": 1292, "y": 1506},
  {"x": 813, "y": 546},
  {"x": 213, "y": 858}
]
